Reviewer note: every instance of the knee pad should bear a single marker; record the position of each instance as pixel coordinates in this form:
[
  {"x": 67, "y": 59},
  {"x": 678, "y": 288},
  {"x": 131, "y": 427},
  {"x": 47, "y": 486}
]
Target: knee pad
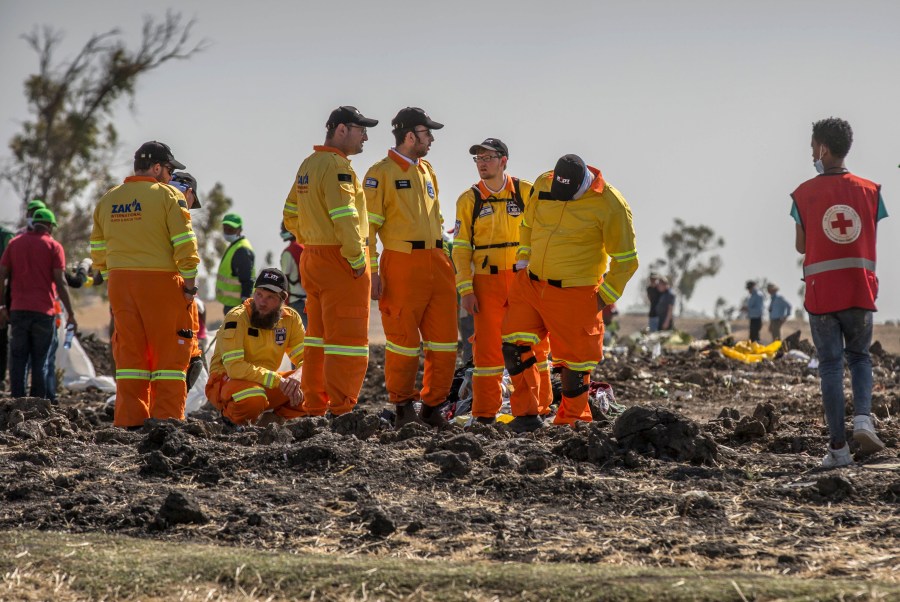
[
  {"x": 512, "y": 357},
  {"x": 573, "y": 383}
]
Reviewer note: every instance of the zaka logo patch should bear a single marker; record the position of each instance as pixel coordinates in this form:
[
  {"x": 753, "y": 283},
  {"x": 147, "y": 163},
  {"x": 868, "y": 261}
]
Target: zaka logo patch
[
  {"x": 280, "y": 335},
  {"x": 126, "y": 212}
]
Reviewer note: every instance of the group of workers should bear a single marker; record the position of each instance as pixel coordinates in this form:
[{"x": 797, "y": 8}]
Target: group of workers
[{"x": 535, "y": 264}]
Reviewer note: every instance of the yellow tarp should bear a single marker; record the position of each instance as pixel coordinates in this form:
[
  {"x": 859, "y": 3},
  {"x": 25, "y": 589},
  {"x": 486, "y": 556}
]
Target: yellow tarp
[{"x": 750, "y": 352}]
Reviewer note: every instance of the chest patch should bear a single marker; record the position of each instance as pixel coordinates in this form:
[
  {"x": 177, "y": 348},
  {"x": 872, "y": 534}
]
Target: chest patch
[
  {"x": 430, "y": 189},
  {"x": 280, "y": 336},
  {"x": 486, "y": 210},
  {"x": 402, "y": 184},
  {"x": 512, "y": 208},
  {"x": 841, "y": 224},
  {"x": 371, "y": 183}
]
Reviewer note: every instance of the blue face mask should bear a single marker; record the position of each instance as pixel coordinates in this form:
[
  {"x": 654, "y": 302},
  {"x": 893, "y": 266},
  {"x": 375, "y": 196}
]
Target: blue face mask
[
  {"x": 230, "y": 238},
  {"x": 29, "y": 223},
  {"x": 286, "y": 235},
  {"x": 820, "y": 167}
]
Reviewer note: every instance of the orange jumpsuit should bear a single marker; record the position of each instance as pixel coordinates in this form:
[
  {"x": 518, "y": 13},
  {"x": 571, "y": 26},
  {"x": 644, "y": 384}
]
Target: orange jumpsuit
[
  {"x": 486, "y": 244},
  {"x": 243, "y": 382},
  {"x": 418, "y": 293},
  {"x": 143, "y": 244},
  {"x": 326, "y": 212},
  {"x": 577, "y": 250}
]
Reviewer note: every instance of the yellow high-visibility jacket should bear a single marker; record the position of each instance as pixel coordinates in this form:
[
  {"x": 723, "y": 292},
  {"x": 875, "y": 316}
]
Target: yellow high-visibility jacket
[
  {"x": 574, "y": 243},
  {"x": 326, "y": 205},
  {"x": 404, "y": 210},
  {"x": 254, "y": 354},
  {"x": 488, "y": 245},
  {"x": 144, "y": 225}
]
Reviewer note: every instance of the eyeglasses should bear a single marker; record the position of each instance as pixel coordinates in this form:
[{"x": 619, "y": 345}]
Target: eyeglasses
[
  {"x": 168, "y": 167},
  {"x": 425, "y": 131},
  {"x": 359, "y": 127},
  {"x": 484, "y": 158}
]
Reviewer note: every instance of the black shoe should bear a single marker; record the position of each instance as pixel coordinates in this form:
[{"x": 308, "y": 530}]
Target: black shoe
[
  {"x": 525, "y": 424},
  {"x": 485, "y": 420},
  {"x": 406, "y": 413},
  {"x": 432, "y": 416}
]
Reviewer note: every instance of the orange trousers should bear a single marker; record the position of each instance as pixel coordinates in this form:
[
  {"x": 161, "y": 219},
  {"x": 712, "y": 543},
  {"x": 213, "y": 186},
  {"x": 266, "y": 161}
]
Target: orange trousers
[
  {"x": 418, "y": 296},
  {"x": 150, "y": 346},
  {"x": 242, "y": 401},
  {"x": 336, "y": 346},
  {"x": 492, "y": 293},
  {"x": 575, "y": 328}
]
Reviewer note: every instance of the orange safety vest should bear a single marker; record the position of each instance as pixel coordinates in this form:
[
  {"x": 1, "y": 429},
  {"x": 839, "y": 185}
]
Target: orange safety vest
[{"x": 839, "y": 214}]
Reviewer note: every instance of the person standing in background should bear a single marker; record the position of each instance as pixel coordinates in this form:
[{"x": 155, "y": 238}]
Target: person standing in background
[
  {"x": 753, "y": 306},
  {"x": 290, "y": 266},
  {"x": 779, "y": 311},
  {"x": 234, "y": 281}
]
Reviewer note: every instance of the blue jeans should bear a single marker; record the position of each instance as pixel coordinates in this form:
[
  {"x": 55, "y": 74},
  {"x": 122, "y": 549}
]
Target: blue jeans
[
  {"x": 844, "y": 333},
  {"x": 653, "y": 323},
  {"x": 31, "y": 333}
]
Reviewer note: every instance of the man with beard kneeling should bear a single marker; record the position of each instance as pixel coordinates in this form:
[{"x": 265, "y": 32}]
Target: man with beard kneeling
[{"x": 250, "y": 346}]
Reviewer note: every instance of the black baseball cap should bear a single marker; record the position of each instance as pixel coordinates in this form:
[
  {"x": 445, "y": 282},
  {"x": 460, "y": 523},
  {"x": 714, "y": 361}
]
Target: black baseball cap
[
  {"x": 273, "y": 280},
  {"x": 494, "y": 144},
  {"x": 157, "y": 152},
  {"x": 410, "y": 117},
  {"x": 567, "y": 177},
  {"x": 189, "y": 181},
  {"x": 348, "y": 114}
]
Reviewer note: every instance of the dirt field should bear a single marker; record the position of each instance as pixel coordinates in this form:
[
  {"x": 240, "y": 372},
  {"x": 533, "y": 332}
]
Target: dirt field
[{"x": 713, "y": 466}]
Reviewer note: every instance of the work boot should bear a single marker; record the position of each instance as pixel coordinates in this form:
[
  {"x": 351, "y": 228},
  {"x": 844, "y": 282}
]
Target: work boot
[
  {"x": 525, "y": 424},
  {"x": 486, "y": 420},
  {"x": 864, "y": 434},
  {"x": 406, "y": 413},
  {"x": 432, "y": 416}
]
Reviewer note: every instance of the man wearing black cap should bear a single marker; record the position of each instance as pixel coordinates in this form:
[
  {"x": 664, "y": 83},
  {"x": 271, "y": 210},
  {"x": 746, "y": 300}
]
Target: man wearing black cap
[
  {"x": 577, "y": 252},
  {"x": 415, "y": 283},
  {"x": 485, "y": 241},
  {"x": 256, "y": 335},
  {"x": 143, "y": 245},
  {"x": 325, "y": 210}
]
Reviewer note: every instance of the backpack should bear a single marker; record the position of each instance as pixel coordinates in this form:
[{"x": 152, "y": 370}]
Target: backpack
[{"x": 479, "y": 203}]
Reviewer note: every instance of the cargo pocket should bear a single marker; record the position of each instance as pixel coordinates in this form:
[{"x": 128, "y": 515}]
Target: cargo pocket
[
  {"x": 392, "y": 321},
  {"x": 355, "y": 321}
]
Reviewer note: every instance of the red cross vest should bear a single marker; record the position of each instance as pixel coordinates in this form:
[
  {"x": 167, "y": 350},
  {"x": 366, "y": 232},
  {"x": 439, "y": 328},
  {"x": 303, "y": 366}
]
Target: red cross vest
[{"x": 839, "y": 214}]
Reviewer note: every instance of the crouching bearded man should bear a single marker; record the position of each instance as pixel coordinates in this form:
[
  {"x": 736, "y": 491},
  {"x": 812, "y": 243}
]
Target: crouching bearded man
[{"x": 250, "y": 347}]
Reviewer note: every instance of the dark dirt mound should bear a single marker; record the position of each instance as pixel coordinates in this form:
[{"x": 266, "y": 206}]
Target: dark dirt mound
[{"x": 714, "y": 464}]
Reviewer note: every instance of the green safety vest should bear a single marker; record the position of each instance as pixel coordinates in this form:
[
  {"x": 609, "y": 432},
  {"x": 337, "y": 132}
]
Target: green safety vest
[{"x": 228, "y": 287}]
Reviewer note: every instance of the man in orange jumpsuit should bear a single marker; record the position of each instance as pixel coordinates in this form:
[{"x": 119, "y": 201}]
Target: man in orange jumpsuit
[
  {"x": 485, "y": 241},
  {"x": 326, "y": 212},
  {"x": 143, "y": 245},
  {"x": 577, "y": 253},
  {"x": 256, "y": 335},
  {"x": 413, "y": 281}
]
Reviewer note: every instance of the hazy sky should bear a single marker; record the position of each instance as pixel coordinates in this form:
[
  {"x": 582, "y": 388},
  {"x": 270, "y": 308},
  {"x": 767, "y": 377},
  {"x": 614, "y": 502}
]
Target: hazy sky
[{"x": 698, "y": 110}]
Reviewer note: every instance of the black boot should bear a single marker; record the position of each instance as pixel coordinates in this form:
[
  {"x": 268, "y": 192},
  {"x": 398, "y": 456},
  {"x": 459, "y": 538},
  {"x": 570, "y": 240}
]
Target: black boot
[
  {"x": 525, "y": 424},
  {"x": 485, "y": 420},
  {"x": 406, "y": 413},
  {"x": 431, "y": 415}
]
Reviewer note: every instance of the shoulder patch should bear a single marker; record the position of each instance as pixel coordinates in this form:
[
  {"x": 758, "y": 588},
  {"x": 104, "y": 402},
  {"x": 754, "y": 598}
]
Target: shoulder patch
[
  {"x": 182, "y": 203},
  {"x": 344, "y": 177},
  {"x": 371, "y": 183},
  {"x": 456, "y": 227}
]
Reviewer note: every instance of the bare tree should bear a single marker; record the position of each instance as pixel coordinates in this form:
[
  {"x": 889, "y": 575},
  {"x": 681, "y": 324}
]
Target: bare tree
[
  {"x": 689, "y": 257},
  {"x": 62, "y": 154}
]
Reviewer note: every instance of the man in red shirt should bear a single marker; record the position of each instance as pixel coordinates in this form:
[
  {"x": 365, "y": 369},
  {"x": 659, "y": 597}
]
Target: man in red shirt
[{"x": 35, "y": 264}]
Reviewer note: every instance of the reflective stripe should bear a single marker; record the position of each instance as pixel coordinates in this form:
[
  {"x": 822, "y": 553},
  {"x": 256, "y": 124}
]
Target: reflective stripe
[
  {"x": 625, "y": 255},
  {"x": 462, "y": 243},
  {"x": 296, "y": 352},
  {"x": 290, "y": 208},
  {"x": 514, "y": 337},
  {"x": 228, "y": 286},
  {"x": 269, "y": 379},
  {"x": 376, "y": 219},
  {"x": 98, "y": 245},
  {"x": 183, "y": 238},
  {"x": 314, "y": 342},
  {"x": 359, "y": 261},
  {"x": 351, "y": 350},
  {"x": 610, "y": 291},
  {"x": 251, "y": 392},
  {"x": 232, "y": 356},
  {"x": 348, "y": 211},
  {"x": 104, "y": 273},
  {"x": 400, "y": 350},
  {"x": 188, "y": 273},
  {"x": 838, "y": 264},
  {"x": 444, "y": 347},
  {"x": 488, "y": 371},
  {"x": 543, "y": 366},
  {"x": 373, "y": 263},
  {"x": 230, "y": 280},
  {"x": 465, "y": 287},
  {"x": 168, "y": 375},
  {"x": 524, "y": 249},
  {"x": 577, "y": 366},
  {"x": 131, "y": 374}
]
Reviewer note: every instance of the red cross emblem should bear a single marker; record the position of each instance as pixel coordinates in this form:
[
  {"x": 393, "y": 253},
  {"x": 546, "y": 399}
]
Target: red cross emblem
[{"x": 841, "y": 224}]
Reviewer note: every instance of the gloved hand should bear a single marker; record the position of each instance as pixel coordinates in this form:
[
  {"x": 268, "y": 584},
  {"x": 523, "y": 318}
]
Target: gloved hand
[
  {"x": 521, "y": 264},
  {"x": 85, "y": 265}
]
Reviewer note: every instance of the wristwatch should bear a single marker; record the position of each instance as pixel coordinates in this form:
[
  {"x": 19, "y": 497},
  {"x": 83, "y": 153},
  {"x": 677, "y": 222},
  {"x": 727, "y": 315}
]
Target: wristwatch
[{"x": 190, "y": 291}]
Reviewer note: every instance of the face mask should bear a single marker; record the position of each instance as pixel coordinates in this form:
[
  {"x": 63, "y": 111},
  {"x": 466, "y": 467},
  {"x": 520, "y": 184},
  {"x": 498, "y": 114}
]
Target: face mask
[
  {"x": 286, "y": 236},
  {"x": 820, "y": 167},
  {"x": 29, "y": 223},
  {"x": 230, "y": 238}
]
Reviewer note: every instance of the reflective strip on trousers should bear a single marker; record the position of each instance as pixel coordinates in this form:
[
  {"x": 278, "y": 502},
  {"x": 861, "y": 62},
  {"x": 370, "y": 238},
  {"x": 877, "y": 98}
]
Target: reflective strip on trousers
[
  {"x": 356, "y": 351},
  {"x": 400, "y": 350},
  {"x": 576, "y": 366},
  {"x": 251, "y": 392},
  {"x": 514, "y": 337},
  {"x": 168, "y": 375},
  {"x": 127, "y": 374},
  {"x": 488, "y": 371},
  {"x": 838, "y": 264},
  {"x": 446, "y": 347},
  {"x": 313, "y": 342}
]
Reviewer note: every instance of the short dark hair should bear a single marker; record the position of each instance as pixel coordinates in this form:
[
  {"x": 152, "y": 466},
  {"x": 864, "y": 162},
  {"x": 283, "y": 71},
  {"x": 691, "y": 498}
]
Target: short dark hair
[
  {"x": 834, "y": 133},
  {"x": 400, "y": 135}
]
